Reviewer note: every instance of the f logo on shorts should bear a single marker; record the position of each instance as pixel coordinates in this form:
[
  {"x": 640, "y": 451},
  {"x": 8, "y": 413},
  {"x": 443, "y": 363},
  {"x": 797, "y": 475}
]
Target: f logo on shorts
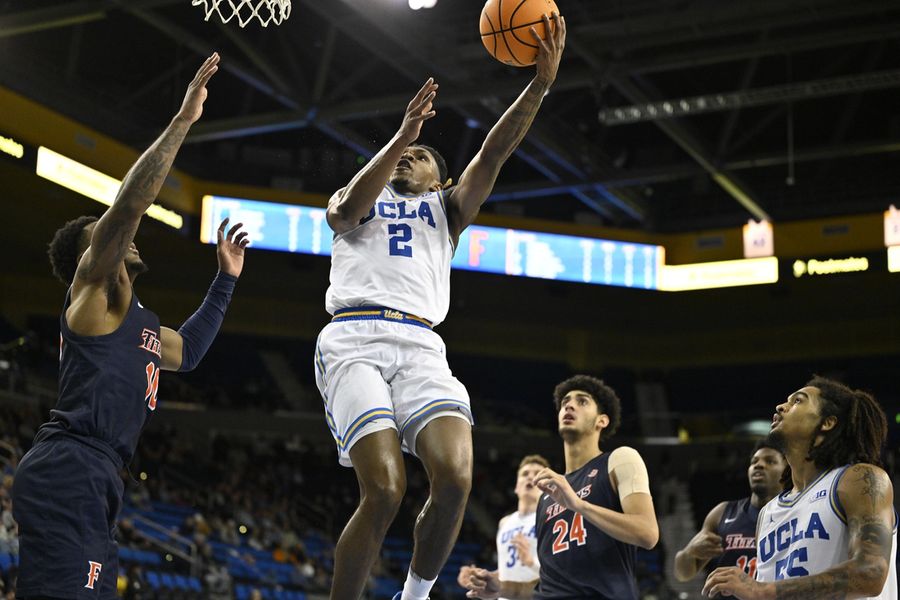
[{"x": 93, "y": 574}]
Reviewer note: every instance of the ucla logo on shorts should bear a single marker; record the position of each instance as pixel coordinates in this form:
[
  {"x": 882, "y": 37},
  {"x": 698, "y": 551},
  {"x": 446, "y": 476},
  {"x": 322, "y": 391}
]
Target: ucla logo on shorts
[{"x": 393, "y": 314}]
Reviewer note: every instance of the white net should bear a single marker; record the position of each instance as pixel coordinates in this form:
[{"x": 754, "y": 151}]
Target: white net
[{"x": 245, "y": 11}]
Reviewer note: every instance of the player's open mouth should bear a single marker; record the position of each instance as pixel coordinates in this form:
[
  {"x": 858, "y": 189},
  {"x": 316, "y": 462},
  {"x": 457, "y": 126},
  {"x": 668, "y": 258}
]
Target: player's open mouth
[{"x": 403, "y": 164}]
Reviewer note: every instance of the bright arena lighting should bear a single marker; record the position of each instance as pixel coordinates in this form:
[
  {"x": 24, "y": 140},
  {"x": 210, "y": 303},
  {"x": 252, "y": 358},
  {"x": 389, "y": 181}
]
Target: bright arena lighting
[{"x": 417, "y": 4}]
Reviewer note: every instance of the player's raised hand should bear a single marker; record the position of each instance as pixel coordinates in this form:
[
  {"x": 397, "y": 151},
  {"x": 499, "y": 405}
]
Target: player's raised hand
[
  {"x": 732, "y": 581},
  {"x": 483, "y": 584},
  {"x": 418, "y": 111},
  {"x": 558, "y": 487},
  {"x": 523, "y": 550},
  {"x": 550, "y": 50},
  {"x": 192, "y": 107},
  {"x": 705, "y": 545},
  {"x": 230, "y": 248}
]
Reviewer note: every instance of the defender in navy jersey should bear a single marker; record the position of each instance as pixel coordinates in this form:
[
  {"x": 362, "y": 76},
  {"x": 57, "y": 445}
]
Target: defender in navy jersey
[
  {"x": 728, "y": 535},
  {"x": 67, "y": 490},
  {"x": 591, "y": 520},
  {"x": 833, "y": 532},
  {"x": 380, "y": 368}
]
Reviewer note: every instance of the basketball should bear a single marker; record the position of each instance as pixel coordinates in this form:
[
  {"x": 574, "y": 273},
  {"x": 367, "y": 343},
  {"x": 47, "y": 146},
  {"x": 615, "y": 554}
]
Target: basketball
[{"x": 506, "y": 29}]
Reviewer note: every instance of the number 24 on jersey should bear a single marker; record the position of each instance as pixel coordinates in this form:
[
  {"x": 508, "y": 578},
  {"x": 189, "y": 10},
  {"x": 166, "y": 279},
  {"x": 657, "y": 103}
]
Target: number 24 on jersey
[{"x": 576, "y": 534}]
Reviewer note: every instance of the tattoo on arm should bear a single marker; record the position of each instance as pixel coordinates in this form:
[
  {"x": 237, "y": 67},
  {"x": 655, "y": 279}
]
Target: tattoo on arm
[
  {"x": 826, "y": 586},
  {"x": 116, "y": 228},
  {"x": 870, "y": 485},
  {"x": 146, "y": 177},
  {"x": 870, "y": 554},
  {"x": 515, "y": 123}
]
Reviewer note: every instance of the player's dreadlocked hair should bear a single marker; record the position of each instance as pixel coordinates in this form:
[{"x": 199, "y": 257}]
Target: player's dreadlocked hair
[
  {"x": 65, "y": 247},
  {"x": 608, "y": 402},
  {"x": 441, "y": 163},
  {"x": 860, "y": 432}
]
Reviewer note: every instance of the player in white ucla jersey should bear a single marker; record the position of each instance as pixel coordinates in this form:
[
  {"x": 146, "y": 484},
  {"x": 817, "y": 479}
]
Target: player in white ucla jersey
[
  {"x": 834, "y": 533},
  {"x": 380, "y": 368},
  {"x": 517, "y": 558}
]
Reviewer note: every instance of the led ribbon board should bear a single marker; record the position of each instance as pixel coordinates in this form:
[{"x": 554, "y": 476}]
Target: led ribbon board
[
  {"x": 894, "y": 259},
  {"x": 720, "y": 274},
  {"x": 11, "y": 147},
  {"x": 303, "y": 229},
  {"x": 92, "y": 183}
]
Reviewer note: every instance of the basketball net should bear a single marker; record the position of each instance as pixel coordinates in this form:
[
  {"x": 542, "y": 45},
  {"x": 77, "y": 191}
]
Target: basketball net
[{"x": 264, "y": 11}]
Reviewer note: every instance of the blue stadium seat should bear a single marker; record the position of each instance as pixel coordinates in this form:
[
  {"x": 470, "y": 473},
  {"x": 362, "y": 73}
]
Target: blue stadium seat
[
  {"x": 167, "y": 580},
  {"x": 153, "y": 579}
]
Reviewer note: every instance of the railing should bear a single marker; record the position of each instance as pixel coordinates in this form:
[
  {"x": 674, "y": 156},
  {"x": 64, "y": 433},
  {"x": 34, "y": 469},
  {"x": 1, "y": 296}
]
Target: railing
[{"x": 171, "y": 544}]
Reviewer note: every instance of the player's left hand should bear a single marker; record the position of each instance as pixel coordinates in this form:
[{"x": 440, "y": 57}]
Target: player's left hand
[
  {"x": 732, "y": 581},
  {"x": 558, "y": 487},
  {"x": 550, "y": 50},
  {"x": 523, "y": 550},
  {"x": 483, "y": 584},
  {"x": 192, "y": 106},
  {"x": 230, "y": 248}
]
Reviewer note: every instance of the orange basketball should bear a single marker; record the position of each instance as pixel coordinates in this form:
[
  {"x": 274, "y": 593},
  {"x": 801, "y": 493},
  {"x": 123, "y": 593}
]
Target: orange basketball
[{"x": 506, "y": 29}]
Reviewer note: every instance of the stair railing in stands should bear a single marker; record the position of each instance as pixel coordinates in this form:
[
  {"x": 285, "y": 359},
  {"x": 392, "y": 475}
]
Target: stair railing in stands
[{"x": 173, "y": 543}]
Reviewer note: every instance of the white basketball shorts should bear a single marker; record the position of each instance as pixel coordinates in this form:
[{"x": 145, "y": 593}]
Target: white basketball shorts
[{"x": 377, "y": 372}]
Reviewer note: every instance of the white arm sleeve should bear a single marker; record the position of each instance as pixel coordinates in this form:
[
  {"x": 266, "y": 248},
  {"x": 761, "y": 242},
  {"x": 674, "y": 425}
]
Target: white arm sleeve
[{"x": 628, "y": 471}]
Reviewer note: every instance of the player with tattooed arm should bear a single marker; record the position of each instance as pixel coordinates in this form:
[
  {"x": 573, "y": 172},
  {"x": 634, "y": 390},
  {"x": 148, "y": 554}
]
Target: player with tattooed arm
[
  {"x": 67, "y": 492},
  {"x": 833, "y": 533}
]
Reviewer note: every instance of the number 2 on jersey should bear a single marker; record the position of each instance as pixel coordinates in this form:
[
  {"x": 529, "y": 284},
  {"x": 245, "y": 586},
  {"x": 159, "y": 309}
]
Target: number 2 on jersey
[
  {"x": 152, "y": 385},
  {"x": 577, "y": 534},
  {"x": 400, "y": 234}
]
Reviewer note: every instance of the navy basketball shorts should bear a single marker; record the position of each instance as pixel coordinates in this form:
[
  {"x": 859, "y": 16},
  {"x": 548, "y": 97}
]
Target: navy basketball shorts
[{"x": 66, "y": 499}]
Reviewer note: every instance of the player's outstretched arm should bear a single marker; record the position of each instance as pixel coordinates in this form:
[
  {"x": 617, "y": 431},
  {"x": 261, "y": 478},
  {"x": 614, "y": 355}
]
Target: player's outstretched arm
[
  {"x": 636, "y": 524},
  {"x": 866, "y": 493},
  {"x": 352, "y": 203},
  {"x": 477, "y": 181},
  {"x": 115, "y": 230},
  {"x": 487, "y": 585},
  {"x": 702, "y": 548},
  {"x": 182, "y": 350}
]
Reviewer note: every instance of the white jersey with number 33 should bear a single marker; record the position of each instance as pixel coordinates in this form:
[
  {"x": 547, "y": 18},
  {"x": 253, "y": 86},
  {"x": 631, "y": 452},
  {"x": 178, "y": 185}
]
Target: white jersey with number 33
[{"x": 397, "y": 257}]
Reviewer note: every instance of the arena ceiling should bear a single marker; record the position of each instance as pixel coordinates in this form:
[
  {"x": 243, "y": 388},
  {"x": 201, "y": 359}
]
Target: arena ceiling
[{"x": 791, "y": 105}]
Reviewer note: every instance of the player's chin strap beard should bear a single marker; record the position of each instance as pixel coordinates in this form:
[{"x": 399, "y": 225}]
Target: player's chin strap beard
[{"x": 136, "y": 268}]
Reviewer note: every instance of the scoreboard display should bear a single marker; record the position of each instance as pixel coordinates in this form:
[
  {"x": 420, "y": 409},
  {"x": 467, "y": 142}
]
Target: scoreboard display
[{"x": 303, "y": 229}]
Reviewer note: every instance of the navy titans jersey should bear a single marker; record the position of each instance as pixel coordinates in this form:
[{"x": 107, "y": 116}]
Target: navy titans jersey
[
  {"x": 738, "y": 532},
  {"x": 107, "y": 383},
  {"x": 577, "y": 559}
]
